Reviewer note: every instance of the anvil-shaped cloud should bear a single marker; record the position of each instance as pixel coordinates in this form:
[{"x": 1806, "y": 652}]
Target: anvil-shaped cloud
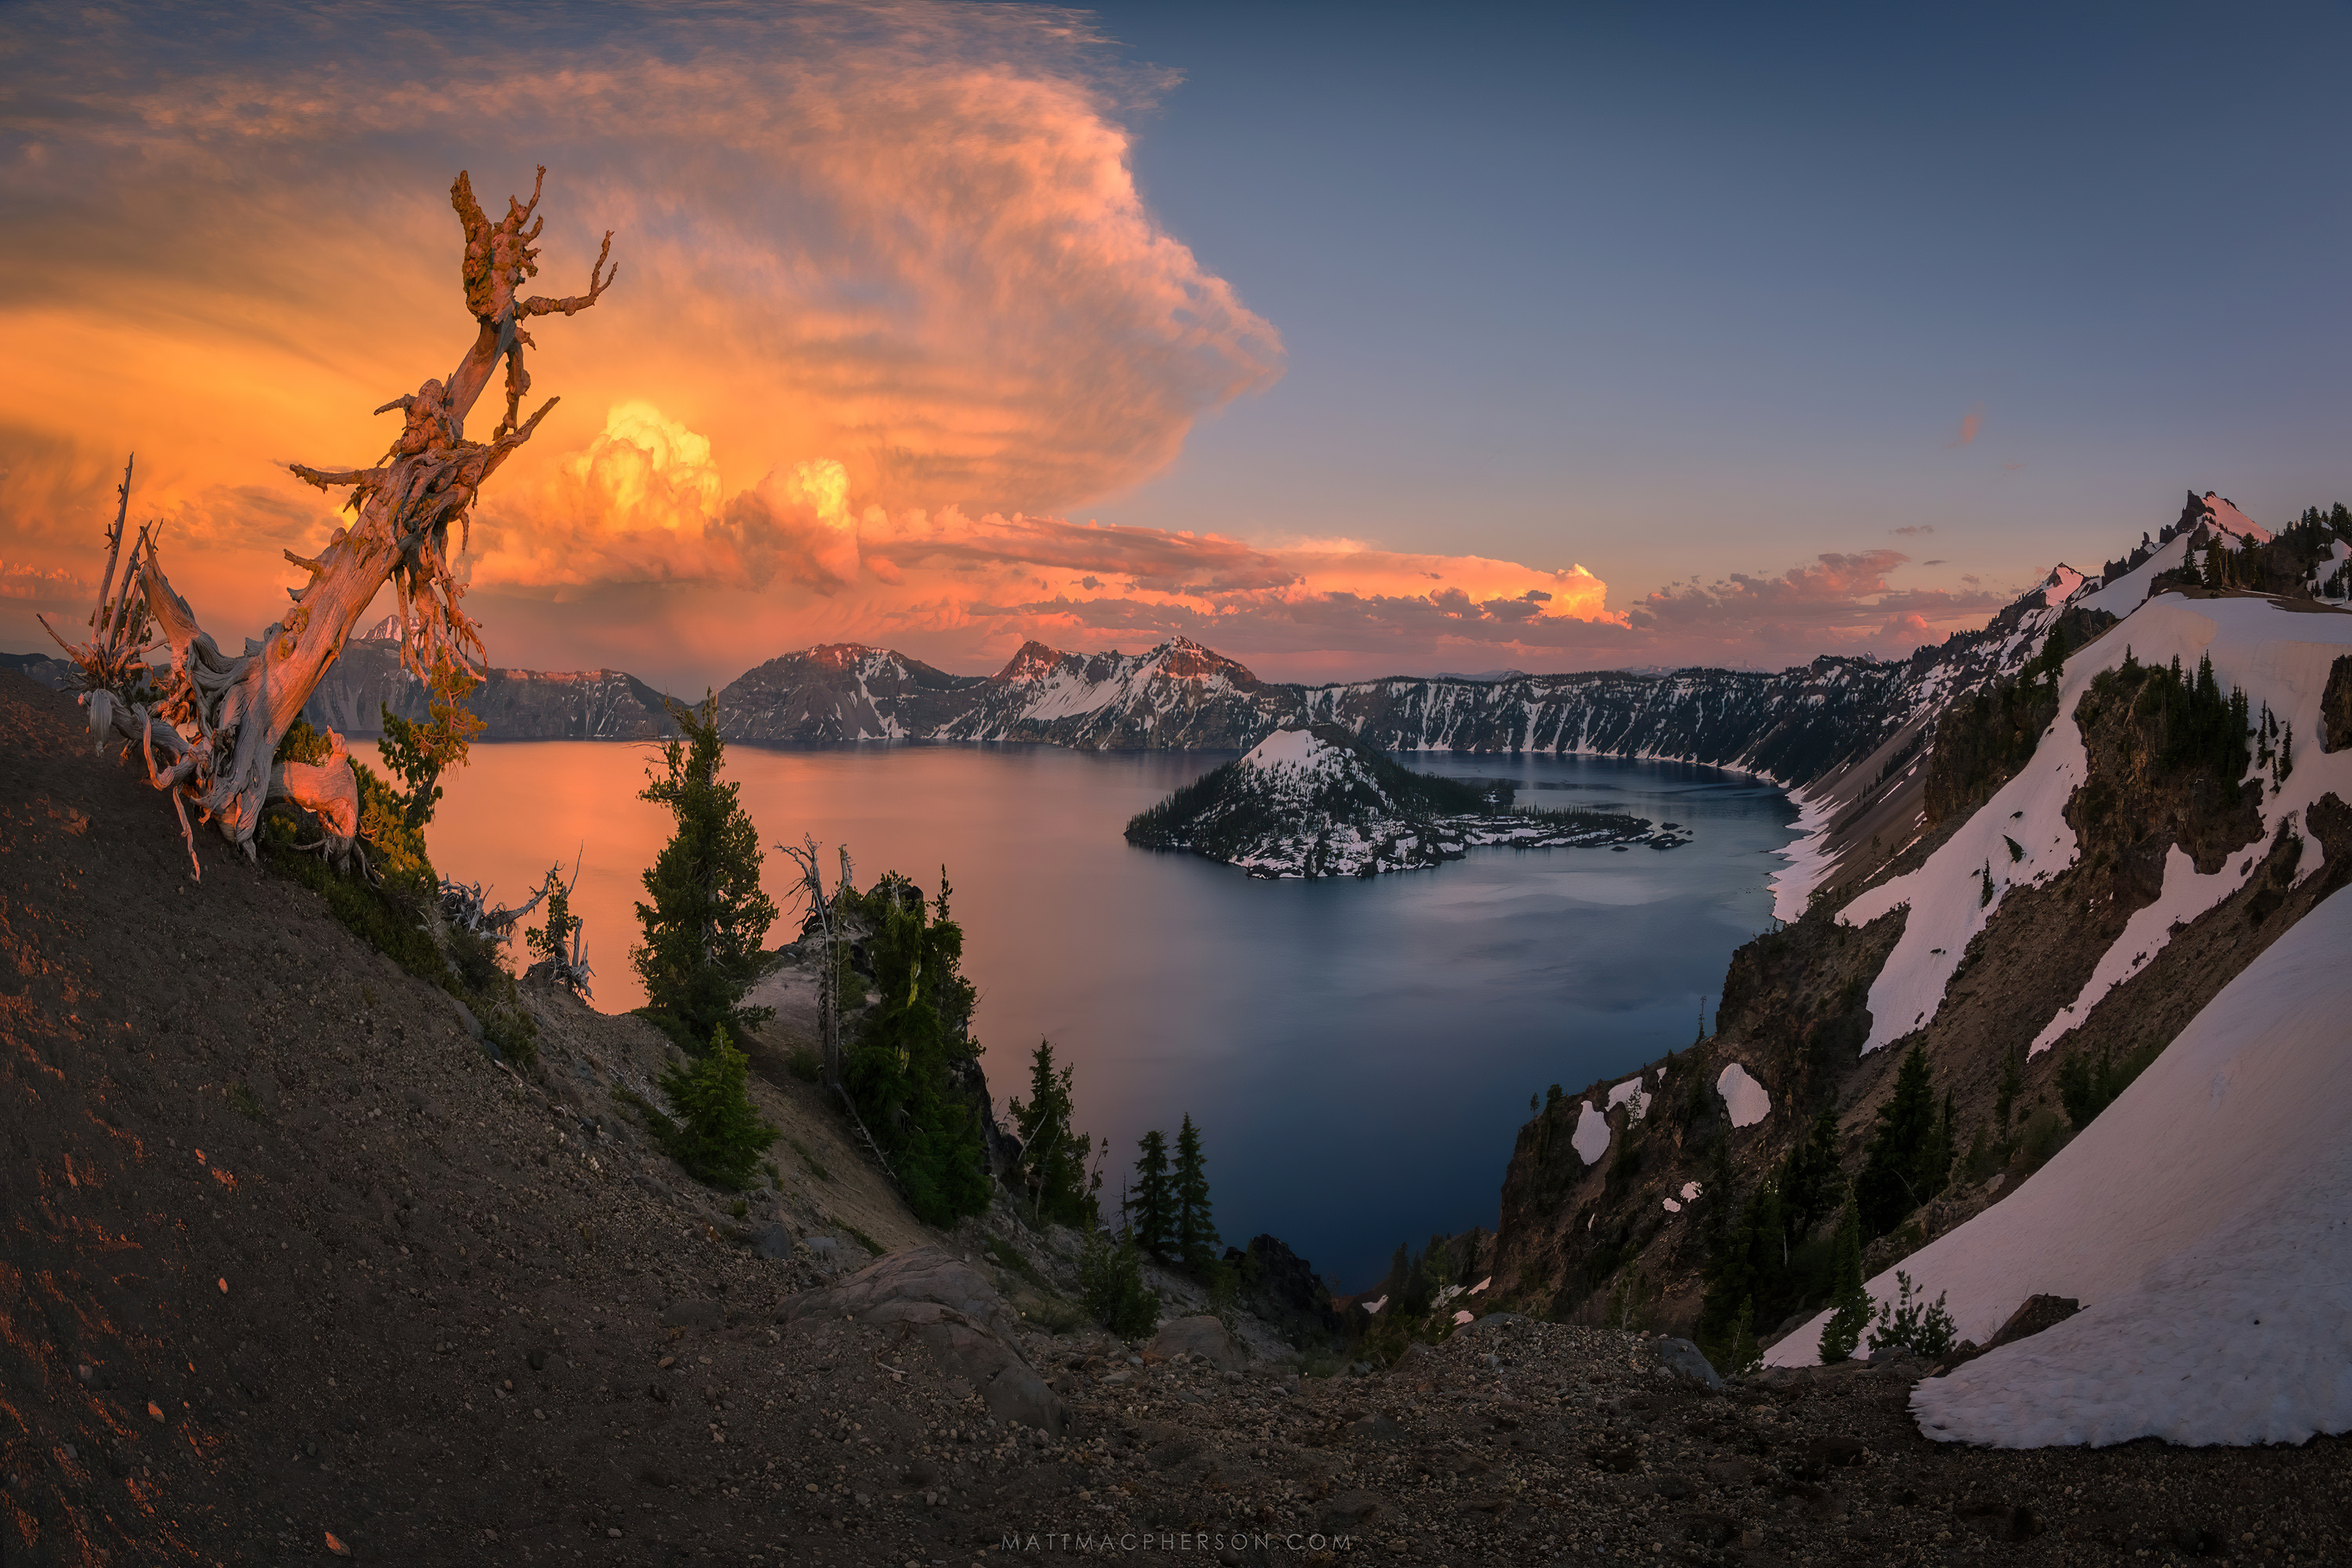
[{"x": 890, "y": 305}]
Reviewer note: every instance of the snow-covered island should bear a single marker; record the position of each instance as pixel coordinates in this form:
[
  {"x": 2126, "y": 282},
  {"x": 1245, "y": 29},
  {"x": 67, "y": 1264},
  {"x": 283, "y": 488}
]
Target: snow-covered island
[{"x": 1314, "y": 801}]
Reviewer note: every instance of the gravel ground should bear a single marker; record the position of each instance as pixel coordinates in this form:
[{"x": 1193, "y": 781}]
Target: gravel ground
[{"x": 293, "y": 1271}]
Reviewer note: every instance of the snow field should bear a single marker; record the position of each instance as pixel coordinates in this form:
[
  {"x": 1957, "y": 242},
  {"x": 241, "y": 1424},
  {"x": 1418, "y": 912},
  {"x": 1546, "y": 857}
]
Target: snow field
[{"x": 2200, "y": 1219}]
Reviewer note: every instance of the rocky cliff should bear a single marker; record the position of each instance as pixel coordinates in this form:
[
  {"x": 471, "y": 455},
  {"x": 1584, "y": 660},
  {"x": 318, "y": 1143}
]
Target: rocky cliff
[{"x": 2118, "y": 839}]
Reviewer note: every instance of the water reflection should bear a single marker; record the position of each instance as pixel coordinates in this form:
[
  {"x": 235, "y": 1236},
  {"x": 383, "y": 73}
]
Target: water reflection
[{"x": 1359, "y": 1053}]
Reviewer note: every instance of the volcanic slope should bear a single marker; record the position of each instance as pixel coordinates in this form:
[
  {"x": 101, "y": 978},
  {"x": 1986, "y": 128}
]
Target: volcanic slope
[{"x": 293, "y": 1271}]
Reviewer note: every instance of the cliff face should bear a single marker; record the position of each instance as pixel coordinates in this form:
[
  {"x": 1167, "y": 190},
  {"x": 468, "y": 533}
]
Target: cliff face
[{"x": 514, "y": 704}]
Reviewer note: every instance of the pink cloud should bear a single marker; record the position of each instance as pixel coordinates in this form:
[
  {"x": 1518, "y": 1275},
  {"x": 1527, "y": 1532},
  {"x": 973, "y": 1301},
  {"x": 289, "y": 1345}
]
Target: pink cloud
[{"x": 1970, "y": 423}]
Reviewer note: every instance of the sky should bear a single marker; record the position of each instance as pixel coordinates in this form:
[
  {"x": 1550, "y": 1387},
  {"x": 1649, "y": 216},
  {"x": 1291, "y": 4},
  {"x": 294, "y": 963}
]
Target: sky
[{"x": 1347, "y": 340}]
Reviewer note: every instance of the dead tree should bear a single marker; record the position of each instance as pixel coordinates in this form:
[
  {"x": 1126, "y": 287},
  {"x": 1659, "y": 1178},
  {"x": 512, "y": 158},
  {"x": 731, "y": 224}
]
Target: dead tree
[{"x": 218, "y": 719}]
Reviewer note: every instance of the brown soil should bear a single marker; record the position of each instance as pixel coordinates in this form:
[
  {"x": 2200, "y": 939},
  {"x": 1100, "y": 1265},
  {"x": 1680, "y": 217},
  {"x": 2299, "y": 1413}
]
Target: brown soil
[{"x": 291, "y": 1268}]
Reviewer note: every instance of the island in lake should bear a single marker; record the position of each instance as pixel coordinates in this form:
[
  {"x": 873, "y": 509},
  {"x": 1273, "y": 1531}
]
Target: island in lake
[{"x": 1314, "y": 801}]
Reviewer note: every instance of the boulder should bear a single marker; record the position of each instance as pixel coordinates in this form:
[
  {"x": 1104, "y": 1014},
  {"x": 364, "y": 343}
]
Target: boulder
[
  {"x": 1204, "y": 1338},
  {"x": 944, "y": 1302},
  {"x": 2037, "y": 1313},
  {"x": 1684, "y": 1360},
  {"x": 772, "y": 1242}
]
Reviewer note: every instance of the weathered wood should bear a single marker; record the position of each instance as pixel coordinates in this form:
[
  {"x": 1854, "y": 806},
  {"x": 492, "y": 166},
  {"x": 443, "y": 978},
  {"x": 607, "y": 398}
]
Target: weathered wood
[{"x": 219, "y": 718}]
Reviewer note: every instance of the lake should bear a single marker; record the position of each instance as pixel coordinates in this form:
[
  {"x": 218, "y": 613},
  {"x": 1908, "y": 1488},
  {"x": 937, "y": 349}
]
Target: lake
[{"x": 1358, "y": 1054}]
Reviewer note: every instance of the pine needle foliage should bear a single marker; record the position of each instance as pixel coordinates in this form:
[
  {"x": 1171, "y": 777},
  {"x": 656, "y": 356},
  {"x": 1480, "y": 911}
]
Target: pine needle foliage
[
  {"x": 1054, "y": 1157},
  {"x": 1196, "y": 1237},
  {"x": 1842, "y": 1333},
  {"x": 707, "y": 917},
  {"x": 899, "y": 1072},
  {"x": 1152, "y": 1208},
  {"x": 717, "y": 1135}
]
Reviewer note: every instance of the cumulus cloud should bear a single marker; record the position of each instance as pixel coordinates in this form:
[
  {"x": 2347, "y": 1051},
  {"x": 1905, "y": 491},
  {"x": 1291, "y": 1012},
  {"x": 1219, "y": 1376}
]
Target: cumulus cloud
[
  {"x": 22, "y": 580},
  {"x": 642, "y": 504},
  {"x": 901, "y": 237}
]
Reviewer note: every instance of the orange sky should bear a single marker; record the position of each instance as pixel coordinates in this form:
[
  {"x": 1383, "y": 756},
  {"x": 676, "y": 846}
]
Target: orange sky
[{"x": 891, "y": 313}]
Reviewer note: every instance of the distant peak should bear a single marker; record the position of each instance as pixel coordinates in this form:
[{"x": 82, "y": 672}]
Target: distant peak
[
  {"x": 840, "y": 654},
  {"x": 1188, "y": 660},
  {"x": 1033, "y": 660}
]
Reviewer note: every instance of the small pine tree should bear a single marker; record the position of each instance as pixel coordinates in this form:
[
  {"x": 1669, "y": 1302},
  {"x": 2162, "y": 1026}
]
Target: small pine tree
[
  {"x": 1154, "y": 1211},
  {"x": 1842, "y": 1333},
  {"x": 718, "y": 1136},
  {"x": 1053, "y": 1157},
  {"x": 2012, "y": 1083},
  {"x": 1745, "y": 1357},
  {"x": 708, "y": 917},
  {"x": 1196, "y": 1237}
]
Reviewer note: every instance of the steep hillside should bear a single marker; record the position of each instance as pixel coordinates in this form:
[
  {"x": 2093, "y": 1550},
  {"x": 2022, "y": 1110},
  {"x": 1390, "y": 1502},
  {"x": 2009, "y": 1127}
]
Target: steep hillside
[
  {"x": 2146, "y": 848},
  {"x": 2202, "y": 1220}
]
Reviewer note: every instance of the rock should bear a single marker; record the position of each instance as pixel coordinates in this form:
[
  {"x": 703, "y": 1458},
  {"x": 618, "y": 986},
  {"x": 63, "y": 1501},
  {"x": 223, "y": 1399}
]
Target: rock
[
  {"x": 957, "y": 1314},
  {"x": 1282, "y": 1287},
  {"x": 1352, "y": 1511},
  {"x": 1682, "y": 1359},
  {"x": 1204, "y": 1337},
  {"x": 2037, "y": 1313},
  {"x": 826, "y": 1248},
  {"x": 772, "y": 1242}
]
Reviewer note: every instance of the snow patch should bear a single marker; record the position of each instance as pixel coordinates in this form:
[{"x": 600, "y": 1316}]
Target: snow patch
[
  {"x": 1746, "y": 1100},
  {"x": 1591, "y": 1138},
  {"x": 1630, "y": 1089}
]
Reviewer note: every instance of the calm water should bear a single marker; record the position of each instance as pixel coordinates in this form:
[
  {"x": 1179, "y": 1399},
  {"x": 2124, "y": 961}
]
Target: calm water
[{"x": 1358, "y": 1054}]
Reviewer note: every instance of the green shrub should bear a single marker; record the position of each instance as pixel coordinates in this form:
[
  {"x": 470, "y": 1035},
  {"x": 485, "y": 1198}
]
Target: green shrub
[
  {"x": 717, "y": 1135},
  {"x": 1922, "y": 1327},
  {"x": 1112, "y": 1288}
]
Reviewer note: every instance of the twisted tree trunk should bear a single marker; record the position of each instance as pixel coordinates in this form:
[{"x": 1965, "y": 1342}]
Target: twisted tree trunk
[{"x": 218, "y": 719}]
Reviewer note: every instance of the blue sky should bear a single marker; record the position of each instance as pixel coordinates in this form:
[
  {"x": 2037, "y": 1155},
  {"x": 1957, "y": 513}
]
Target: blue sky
[{"x": 1684, "y": 289}]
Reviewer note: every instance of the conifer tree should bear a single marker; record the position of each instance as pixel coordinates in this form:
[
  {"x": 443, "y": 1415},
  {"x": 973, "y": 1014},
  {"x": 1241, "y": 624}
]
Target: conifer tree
[
  {"x": 1744, "y": 1358},
  {"x": 1810, "y": 1184},
  {"x": 1154, "y": 1209},
  {"x": 1891, "y": 1182},
  {"x": 1843, "y": 1331},
  {"x": 899, "y": 1073},
  {"x": 708, "y": 920},
  {"x": 1053, "y": 1157},
  {"x": 1196, "y": 1237},
  {"x": 718, "y": 1136}
]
